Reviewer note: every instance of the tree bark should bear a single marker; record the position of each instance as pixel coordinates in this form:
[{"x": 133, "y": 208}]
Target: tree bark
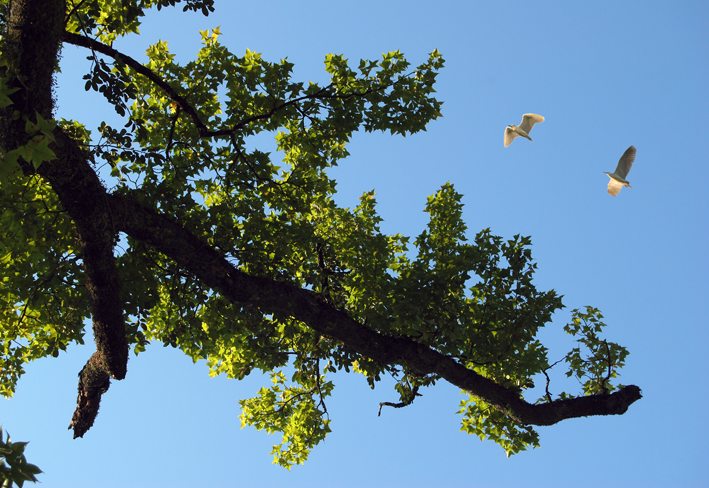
[
  {"x": 31, "y": 48},
  {"x": 93, "y": 382}
]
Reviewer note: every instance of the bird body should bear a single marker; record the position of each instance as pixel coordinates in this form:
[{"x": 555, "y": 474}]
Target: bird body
[
  {"x": 523, "y": 129},
  {"x": 617, "y": 179}
]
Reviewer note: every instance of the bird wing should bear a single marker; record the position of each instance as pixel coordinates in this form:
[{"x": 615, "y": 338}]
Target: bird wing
[
  {"x": 528, "y": 121},
  {"x": 509, "y": 136},
  {"x": 625, "y": 162},
  {"x": 614, "y": 187}
]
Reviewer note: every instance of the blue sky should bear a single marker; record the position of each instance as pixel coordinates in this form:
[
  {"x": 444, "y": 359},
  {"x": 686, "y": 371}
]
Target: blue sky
[{"x": 605, "y": 75}]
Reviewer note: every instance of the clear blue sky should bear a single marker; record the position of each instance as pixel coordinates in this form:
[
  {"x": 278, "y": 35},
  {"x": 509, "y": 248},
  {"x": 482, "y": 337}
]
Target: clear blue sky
[{"x": 606, "y": 75}]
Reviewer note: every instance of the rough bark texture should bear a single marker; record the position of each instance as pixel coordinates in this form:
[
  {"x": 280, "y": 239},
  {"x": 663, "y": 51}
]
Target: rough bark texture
[
  {"x": 35, "y": 29},
  {"x": 93, "y": 382},
  {"x": 85, "y": 199},
  {"x": 33, "y": 41}
]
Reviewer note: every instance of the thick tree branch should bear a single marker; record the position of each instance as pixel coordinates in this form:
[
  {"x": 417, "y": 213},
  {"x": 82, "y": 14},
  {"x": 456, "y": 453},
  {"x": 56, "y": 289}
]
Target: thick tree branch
[
  {"x": 84, "y": 198},
  {"x": 32, "y": 46},
  {"x": 285, "y": 299}
]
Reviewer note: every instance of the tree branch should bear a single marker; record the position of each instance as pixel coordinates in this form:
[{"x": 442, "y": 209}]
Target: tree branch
[
  {"x": 93, "y": 383},
  {"x": 403, "y": 403},
  {"x": 287, "y": 300},
  {"x": 32, "y": 45},
  {"x": 204, "y": 131},
  {"x": 84, "y": 198},
  {"x": 83, "y": 41}
]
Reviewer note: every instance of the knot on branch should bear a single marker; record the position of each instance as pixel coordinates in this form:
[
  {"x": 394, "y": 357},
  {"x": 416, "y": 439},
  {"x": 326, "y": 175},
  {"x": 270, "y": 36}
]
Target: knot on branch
[{"x": 94, "y": 381}]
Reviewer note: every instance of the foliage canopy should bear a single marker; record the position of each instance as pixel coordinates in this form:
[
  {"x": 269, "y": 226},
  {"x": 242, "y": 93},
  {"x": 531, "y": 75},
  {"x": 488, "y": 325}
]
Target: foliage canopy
[{"x": 177, "y": 229}]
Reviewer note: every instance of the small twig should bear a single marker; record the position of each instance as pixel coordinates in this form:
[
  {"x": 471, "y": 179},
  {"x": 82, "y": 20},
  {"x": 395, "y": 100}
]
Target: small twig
[
  {"x": 171, "y": 135},
  {"x": 544, "y": 371},
  {"x": 318, "y": 383},
  {"x": 401, "y": 404},
  {"x": 610, "y": 366},
  {"x": 74, "y": 9}
]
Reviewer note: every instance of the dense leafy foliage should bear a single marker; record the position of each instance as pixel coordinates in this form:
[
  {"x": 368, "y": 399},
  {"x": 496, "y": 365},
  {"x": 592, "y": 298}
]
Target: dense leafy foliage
[{"x": 189, "y": 147}]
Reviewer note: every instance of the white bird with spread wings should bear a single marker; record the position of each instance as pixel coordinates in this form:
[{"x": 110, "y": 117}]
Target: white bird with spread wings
[
  {"x": 523, "y": 129},
  {"x": 618, "y": 177}
]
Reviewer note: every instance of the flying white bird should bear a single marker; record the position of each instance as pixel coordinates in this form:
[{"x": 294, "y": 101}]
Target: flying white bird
[
  {"x": 617, "y": 178},
  {"x": 528, "y": 121}
]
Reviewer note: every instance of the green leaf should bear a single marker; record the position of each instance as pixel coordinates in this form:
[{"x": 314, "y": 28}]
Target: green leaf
[
  {"x": 5, "y": 92},
  {"x": 37, "y": 150}
]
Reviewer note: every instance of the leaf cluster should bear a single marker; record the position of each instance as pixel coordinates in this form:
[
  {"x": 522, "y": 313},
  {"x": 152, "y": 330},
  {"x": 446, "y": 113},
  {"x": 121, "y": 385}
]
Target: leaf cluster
[
  {"x": 293, "y": 411},
  {"x": 14, "y": 468},
  {"x": 110, "y": 19},
  {"x": 595, "y": 361},
  {"x": 42, "y": 299}
]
